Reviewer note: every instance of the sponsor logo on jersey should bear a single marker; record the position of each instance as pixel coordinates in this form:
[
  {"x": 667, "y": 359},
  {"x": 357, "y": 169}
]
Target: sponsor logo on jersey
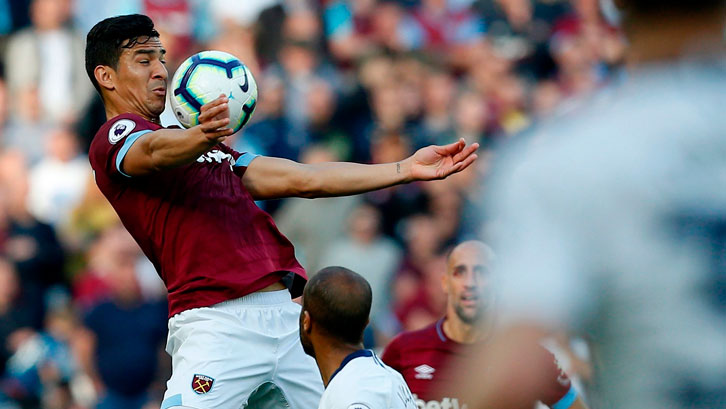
[
  {"x": 202, "y": 384},
  {"x": 120, "y": 129},
  {"x": 424, "y": 372},
  {"x": 446, "y": 403},
  {"x": 216, "y": 155}
]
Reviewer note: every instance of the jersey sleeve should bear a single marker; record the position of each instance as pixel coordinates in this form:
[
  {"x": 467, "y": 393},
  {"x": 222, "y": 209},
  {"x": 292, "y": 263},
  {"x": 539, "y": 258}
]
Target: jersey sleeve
[
  {"x": 113, "y": 142},
  {"x": 241, "y": 160},
  {"x": 559, "y": 392}
]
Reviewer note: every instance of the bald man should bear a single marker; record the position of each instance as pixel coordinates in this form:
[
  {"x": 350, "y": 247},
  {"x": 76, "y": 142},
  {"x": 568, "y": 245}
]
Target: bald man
[
  {"x": 429, "y": 358},
  {"x": 335, "y": 310}
]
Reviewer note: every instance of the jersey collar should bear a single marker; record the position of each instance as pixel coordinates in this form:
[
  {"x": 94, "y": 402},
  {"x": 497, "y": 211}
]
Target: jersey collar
[{"x": 357, "y": 354}]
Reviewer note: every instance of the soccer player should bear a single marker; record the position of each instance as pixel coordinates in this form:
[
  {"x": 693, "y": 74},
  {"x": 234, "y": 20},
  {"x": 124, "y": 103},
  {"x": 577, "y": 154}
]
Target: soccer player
[
  {"x": 336, "y": 306},
  {"x": 614, "y": 222},
  {"x": 188, "y": 200},
  {"x": 429, "y": 359}
]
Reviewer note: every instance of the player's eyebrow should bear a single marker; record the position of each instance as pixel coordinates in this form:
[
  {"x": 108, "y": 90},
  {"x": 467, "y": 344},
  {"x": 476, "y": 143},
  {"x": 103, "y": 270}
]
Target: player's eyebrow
[{"x": 149, "y": 51}]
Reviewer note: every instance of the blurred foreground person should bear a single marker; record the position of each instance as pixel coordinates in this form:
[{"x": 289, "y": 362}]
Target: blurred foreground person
[
  {"x": 336, "y": 305},
  {"x": 429, "y": 359},
  {"x": 614, "y": 223}
]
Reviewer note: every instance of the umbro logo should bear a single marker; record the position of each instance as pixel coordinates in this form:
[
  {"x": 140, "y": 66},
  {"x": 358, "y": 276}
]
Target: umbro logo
[{"x": 424, "y": 372}]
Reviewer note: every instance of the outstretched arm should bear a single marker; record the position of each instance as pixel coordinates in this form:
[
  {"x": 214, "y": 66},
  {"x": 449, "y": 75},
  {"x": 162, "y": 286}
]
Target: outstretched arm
[
  {"x": 271, "y": 178},
  {"x": 169, "y": 148}
]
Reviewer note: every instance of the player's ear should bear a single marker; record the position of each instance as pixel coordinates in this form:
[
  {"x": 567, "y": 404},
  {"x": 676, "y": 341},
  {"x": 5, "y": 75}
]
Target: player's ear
[
  {"x": 445, "y": 282},
  {"x": 104, "y": 76},
  {"x": 306, "y": 322}
]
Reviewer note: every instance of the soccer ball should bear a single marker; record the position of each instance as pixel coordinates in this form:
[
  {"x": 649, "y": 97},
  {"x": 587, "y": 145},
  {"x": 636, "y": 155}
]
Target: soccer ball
[{"x": 201, "y": 79}]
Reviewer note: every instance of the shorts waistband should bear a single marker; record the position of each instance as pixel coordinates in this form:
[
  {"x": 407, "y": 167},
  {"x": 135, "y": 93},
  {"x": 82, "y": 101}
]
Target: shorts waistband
[{"x": 258, "y": 298}]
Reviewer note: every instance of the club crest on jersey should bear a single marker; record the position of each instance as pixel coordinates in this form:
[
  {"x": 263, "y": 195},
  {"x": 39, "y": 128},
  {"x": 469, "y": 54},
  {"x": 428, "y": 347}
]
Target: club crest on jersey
[
  {"x": 202, "y": 384},
  {"x": 120, "y": 129},
  {"x": 424, "y": 372},
  {"x": 358, "y": 406}
]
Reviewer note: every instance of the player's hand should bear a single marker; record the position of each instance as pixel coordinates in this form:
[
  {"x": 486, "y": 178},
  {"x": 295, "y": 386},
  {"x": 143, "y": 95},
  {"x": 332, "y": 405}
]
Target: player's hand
[
  {"x": 437, "y": 162},
  {"x": 214, "y": 119}
]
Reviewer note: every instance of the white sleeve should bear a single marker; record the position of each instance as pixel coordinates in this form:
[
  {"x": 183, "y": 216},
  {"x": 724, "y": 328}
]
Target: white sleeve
[{"x": 539, "y": 242}]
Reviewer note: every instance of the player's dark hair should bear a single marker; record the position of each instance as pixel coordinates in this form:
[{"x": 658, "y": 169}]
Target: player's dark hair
[
  {"x": 657, "y": 6},
  {"x": 108, "y": 38},
  {"x": 339, "y": 301}
]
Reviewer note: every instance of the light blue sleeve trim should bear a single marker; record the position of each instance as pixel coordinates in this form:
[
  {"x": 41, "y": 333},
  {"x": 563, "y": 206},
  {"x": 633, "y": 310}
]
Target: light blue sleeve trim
[
  {"x": 171, "y": 401},
  {"x": 245, "y": 159},
  {"x": 125, "y": 148},
  {"x": 566, "y": 400}
]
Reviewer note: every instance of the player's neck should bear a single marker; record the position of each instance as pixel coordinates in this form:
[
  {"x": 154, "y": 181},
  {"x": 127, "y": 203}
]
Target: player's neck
[
  {"x": 657, "y": 38},
  {"x": 331, "y": 356},
  {"x": 463, "y": 333}
]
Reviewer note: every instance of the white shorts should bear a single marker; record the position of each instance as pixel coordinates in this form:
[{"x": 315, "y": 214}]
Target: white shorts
[{"x": 241, "y": 353}]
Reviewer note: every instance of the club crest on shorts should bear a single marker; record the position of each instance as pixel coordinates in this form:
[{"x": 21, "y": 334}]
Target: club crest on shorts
[{"x": 202, "y": 384}]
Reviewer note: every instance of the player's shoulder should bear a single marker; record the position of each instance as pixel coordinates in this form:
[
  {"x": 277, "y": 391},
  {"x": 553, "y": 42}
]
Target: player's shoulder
[
  {"x": 364, "y": 381},
  {"x": 120, "y": 126},
  {"x": 431, "y": 334}
]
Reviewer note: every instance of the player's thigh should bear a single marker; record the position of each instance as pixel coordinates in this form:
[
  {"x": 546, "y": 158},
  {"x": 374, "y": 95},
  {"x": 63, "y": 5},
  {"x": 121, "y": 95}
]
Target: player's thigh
[
  {"x": 217, "y": 362},
  {"x": 297, "y": 374}
]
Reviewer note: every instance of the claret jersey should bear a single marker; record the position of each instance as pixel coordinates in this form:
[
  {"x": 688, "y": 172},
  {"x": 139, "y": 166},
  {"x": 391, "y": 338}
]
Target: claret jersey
[
  {"x": 429, "y": 360},
  {"x": 197, "y": 223}
]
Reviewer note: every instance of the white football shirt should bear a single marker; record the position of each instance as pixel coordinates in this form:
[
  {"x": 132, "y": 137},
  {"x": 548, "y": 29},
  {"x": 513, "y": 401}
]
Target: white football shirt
[
  {"x": 611, "y": 220},
  {"x": 363, "y": 381}
]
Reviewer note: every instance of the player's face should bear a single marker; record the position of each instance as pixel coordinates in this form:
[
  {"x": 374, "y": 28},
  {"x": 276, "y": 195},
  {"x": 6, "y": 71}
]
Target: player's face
[
  {"x": 141, "y": 77},
  {"x": 467, "y": 284}
]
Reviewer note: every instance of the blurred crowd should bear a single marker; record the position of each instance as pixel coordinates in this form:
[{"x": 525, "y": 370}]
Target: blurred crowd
[{"x": 82, "y": 312}]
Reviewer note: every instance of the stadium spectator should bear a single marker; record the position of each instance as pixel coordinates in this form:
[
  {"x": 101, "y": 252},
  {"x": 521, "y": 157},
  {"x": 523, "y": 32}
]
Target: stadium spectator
[
  {"x": 315, "y": 224},
  {"x": 375, "y": 256},
  {"x": 32, "y": 246},
  {"x": 58, "y": 181},
  {"x": 417, "y": 300},
  {"x": 335, "y": 311},
  {"x": 127, "y": 330},
  {"x": 430, "y": 358},
  {"x": 270, "y": 131},
  {"x": 44, "y": 63},
  {"x": 17, "y": 312},
  {"x": 42, "y": 368}
]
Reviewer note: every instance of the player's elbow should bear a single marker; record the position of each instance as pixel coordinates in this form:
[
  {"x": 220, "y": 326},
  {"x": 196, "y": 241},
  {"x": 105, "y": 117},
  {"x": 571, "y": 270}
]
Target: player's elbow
[{"x": 307, "y": 184}]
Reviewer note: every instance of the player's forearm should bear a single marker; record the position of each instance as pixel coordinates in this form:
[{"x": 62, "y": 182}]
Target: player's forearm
[
  {"x": 170, "y": 148},
  {"x": 345, "y": 178}
]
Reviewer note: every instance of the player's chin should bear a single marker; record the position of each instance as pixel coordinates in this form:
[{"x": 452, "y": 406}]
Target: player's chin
[{"x": 157, "y": 107}]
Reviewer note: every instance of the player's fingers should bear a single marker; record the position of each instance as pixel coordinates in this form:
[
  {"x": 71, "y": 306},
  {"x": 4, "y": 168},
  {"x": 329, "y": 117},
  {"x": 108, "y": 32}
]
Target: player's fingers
[
  {"x": 458, "y": 167},
  {"x": 221, "y": 110},
  {"x": 451, "y": 148},
  {"x": 222, "y": 99},
  {"x": 222, "y": 133},
  {"x": 215, "y": 125},
  {"x": 468, "y": 161},
  {"x": 466, "y": 152}
]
